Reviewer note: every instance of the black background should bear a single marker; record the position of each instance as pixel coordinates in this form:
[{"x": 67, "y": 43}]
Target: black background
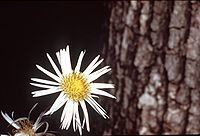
[{"x": 28, "y": 30}]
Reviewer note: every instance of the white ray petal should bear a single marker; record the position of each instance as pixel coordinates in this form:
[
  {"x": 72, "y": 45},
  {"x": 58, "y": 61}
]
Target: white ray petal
[
  {"x": 101, "y": 85},
  {"x": 9, "y": 120},
  {"x": 95, "y": 96},
  {"x": 100, "y": 70},
  {"x": 58, "y": 57},
  {"x": 68, "y": 115},
  {"x": 101, "y": 92},
  {"x": 65, "y": 66},
  {"x": 42, "y": 85},
  {"x": 64, "y": 114},
  {"x": 74, "y": 121},
  {"x": 54, "y": 66},
  {"x": 59, "y": 102},
  {"x": 93, "y": 67},
  {"x": 63, "y": 62},
  {"x": 44, "y": 81},
  {"x": 85, "y": 114},
  {"x": 48, "y": 73},
  {"x": 83, "y": 124},
  {"x": 91, "y": 64},
  {"x": 94, "y": 107},
  {"x": 74, "y": 115},
  {"x": 97, "y": 107},
  {"x": 68, "y": 59},
  {"x": 78, "y": 65},
  {"x": 45, "y": 92},
  {"x": 78, "y": 120},
  {"x": 97, "y": 104},
  {"x": 94, "y": 76},
  {"x": 97, "y": 72}
]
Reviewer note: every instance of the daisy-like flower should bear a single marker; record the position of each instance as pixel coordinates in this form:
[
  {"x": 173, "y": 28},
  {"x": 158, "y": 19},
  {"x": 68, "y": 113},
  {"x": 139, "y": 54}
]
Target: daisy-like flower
[
  {"x": 24, "y": 127},
  {"x": 75, "y": 88}
]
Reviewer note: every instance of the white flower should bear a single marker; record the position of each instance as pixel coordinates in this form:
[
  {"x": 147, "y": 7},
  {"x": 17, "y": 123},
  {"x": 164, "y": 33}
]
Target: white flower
[
  {"x": 75, "y": 88},
  {"x": 24, "y": 127}
]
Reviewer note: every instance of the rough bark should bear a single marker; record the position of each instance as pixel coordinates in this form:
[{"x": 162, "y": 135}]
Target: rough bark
[{"x": 154, "y": 51}]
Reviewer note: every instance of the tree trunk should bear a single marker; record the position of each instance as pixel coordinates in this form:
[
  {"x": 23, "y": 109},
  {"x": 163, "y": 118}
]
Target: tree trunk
[{"x": 153, "y": 49}]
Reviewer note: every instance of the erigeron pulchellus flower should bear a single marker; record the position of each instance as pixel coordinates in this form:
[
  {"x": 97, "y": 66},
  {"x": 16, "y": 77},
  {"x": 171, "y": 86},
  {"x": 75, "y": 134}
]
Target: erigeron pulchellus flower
[
  {"x": 75, "y": 88},
  {"x": 25, "y": 127}
]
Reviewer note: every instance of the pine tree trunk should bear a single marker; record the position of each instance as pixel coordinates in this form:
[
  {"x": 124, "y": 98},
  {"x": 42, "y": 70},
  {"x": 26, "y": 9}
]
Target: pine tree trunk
[{"x": 154, "y": 52}]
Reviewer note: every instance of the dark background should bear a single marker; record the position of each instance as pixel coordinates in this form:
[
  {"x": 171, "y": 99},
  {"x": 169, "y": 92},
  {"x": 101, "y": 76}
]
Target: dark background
[{"x": 30, "y": 29}]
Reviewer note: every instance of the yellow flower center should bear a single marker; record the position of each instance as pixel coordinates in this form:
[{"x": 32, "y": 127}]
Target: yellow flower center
[
  {"x": 75, "y": 86},
  {"x": 26, "y": 127}
]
